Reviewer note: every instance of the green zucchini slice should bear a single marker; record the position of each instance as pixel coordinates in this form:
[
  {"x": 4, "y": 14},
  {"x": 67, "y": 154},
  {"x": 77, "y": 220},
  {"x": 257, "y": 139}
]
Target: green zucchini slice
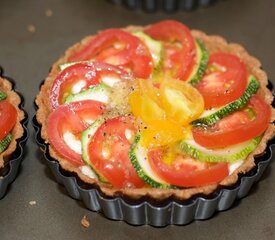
[
  {"x": 200, "y": 64},
  {"x": 155, "y": 47},
  {"x": 2, "y": 95},
  {"x": 229, "y": 154},
  {"x": 86, "y": 137},
  {"x": 98, "y": 93},
  {"x": 5, "y": 142},
  {"x": 215, "y": 116},
  {"x": 139, "y": 160}
]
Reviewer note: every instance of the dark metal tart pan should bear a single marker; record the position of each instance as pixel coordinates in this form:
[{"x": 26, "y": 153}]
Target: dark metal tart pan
[{"x": 165, "y": 5}]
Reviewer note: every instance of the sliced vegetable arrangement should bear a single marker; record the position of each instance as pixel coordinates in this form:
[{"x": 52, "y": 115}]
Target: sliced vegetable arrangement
[
  {"x": 153, "y": 108},
  {"x": 8, "y": 115}
]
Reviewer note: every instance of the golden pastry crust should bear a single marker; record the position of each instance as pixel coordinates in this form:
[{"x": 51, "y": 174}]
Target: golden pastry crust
[
  {"x": 213, "y": 44},
  {"x": 17, "y": 131}
]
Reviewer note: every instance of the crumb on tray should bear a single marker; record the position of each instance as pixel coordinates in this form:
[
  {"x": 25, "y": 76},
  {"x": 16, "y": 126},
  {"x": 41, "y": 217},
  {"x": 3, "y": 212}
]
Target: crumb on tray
[
  {"x": 49, "y": 12},
  {"x": 85, "y": 222},
  {"x": 32, "y": 203},
  {"x": 31, "y": 28}
]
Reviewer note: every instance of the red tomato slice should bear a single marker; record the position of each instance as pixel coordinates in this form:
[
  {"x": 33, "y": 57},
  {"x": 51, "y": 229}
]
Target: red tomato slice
[
  {"x": 85, "y": 75},
  {"x": 72, "y": 118},
  {"x": 120, "y": 48},
  {"x": 179, "y": 46},
  {"x": 8, "y": 116},
  {"x": 238, "y": 127},
  {"x": 187, "y": 172},
  {"x": 108, "y": 151},
  {"x": 225, "y": 80}
]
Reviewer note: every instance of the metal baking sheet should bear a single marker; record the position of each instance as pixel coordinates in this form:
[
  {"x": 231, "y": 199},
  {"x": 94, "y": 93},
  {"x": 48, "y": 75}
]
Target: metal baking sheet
[{"x": 34, "y": 34}]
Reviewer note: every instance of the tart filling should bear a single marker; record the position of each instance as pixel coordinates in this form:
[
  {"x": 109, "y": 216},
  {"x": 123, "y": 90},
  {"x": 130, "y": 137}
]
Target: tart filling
[{"x": 159, "y": 111}]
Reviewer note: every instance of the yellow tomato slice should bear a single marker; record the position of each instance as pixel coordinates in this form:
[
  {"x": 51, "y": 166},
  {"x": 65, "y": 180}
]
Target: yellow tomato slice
[
  {"x": 147, "y": 87},
  {"x": 162, "y": 133},
  {"x": 144, "y": 107},
  {"x": 181, "y": 102},
  {"x": 166, "y": 111}
]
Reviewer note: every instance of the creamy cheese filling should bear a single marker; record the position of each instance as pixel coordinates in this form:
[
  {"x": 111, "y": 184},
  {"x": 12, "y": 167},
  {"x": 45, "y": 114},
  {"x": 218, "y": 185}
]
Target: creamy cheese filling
[
  {"x": 72, "y": 142},
  {"x": 78, "y": 86},
  {"x": 129, "y": 134},
  {"x": 86, "y": 170},
  {"x": 110, "y": 80},
  {"x": 234, "y": 166}
]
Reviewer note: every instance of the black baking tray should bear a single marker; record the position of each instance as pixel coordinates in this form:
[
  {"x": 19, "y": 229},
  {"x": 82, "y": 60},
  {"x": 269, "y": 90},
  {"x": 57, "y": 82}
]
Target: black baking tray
[
  {"x": 146, "y": 212},
  {"x": 10, "y": 170},
  {"x": 165, "y": 5}
]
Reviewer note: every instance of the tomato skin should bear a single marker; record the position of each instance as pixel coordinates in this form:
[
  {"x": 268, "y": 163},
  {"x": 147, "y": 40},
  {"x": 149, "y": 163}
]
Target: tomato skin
[
  {"x": 187, "y": 174},
  {"x": 119, "y": 48},
  {"x": 237, "y": 127},
  {"x": 90, "y": 73},
  {"x": 71, "y": 117},
  {"x": 70, "y": 75},
  {"x": 116, "y": 167},
  {"x": 225, "y": 84},
  {"x": 180, "y": 58},
  {"x": 8, "y": 115}
]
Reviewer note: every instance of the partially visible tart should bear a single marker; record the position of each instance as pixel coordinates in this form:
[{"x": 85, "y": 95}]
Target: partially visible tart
[
  {"x": 71, "y": 90},
  {"x": 13, "y": 133},
  {"x": 166, "y": 5}
]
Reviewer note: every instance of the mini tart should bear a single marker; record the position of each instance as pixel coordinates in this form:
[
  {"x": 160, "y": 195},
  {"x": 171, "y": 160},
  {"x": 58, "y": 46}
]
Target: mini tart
[
  {"x": 213, "y": 44},
  {"x": 17, "y": 131}
]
